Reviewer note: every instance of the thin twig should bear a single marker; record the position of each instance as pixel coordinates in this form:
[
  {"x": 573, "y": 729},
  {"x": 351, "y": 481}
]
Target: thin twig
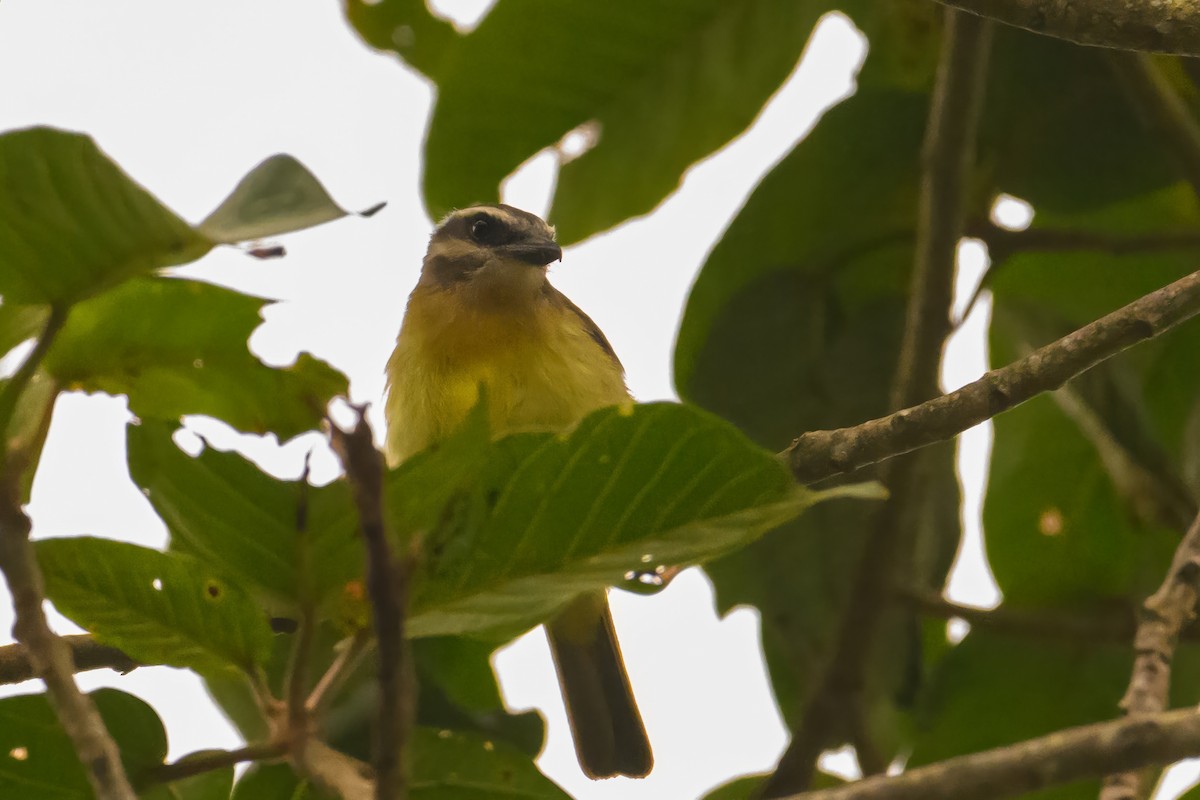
[
  {"x": 947, "y": 156},
  {"x": 821, "y": 454},
  {"x": 1038, "y": 623},
  {"x": 1069, "y": 755},
  {"x": 1155, "y": 26},
  {"x": 345, "y": 662},
  {"x": 1164, "y": 616},
  {"x": 48, "y": 654},
  {"x": 387, "y": 588},
  {"x": 207, "y": 762},
  {"x": 86, "y": 654},
  {"x": 296, "y": 680}
]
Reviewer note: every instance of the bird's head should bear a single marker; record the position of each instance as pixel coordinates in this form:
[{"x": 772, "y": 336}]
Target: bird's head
[{"x": 490, "y": 253}]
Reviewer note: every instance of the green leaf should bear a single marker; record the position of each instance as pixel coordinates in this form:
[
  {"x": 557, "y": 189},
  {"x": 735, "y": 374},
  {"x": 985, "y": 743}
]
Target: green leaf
[
  {"x": 551, "y": 516},
  {"x": 995, "y": 689},
  {"x": 73, "y": 224},
  {"x": 275, "y": 782},
  {"x": 39, "y": 761},
  {"x": 458, "y": 691},
  {"x": 19, "y": 324},
  {"x": 790, "y": 248},
  {"x": 793, "y": 325},
  {"x": 278, "y": 196},
  {"x": 178, "y": 347},
  {"x": 160, "y": 608},
  {"x": 215, "y": 784},
  {"x": 444, "y": 765},
  {"x": 222, "y": 509},
  {"x": 450, "y": 765},
  {"x": 1070, "y": 520},
  {"x": 1060, "y": 131},
  {"x": 664, "y": 83}
]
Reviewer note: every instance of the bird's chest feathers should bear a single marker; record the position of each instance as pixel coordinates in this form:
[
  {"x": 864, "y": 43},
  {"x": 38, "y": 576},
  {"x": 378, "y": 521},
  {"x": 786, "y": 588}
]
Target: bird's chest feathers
[{"x": 540, "y": 367}]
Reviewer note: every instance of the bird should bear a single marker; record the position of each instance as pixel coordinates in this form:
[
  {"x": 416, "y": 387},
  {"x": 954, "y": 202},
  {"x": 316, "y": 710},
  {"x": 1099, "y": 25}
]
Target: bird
[{"x": 483, "y": 313}]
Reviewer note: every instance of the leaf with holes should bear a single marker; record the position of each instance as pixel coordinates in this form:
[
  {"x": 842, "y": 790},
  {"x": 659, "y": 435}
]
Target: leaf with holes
[
  {"x": 227, "y": 512},
  {"x": 72, "y": 223},
  {"x": 178, "y": 347},
  {"x": 38, "y": 761},
  {"x": 545, "y": 516},
  {"x": 160, "y": 608}
]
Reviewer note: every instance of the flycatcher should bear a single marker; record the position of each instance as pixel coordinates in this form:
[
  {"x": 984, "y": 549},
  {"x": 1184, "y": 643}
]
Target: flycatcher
[{"x": 483, "y": 312}]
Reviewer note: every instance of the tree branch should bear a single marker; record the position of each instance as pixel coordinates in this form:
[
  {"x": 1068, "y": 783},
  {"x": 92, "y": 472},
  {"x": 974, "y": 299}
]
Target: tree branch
[
  {"x": 947, "y": 155},
  {"x": 1157, "y": 26},
  {"x": 86, "y": 654},
  {"x": 1074, "y": 754},
  {"x": 207, "y": 762},
  {"x": 48, "y": 654},
  {"x": 821, "y": 454},
  {"x": 1164, "y": 616},
  {"x": 1043, "y": 623},
  {"x": 387, "y": 587}
]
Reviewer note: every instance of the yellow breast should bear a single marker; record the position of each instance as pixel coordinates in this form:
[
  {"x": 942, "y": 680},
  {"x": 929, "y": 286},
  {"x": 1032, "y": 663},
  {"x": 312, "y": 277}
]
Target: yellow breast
[{"x": 541, "y": 367}]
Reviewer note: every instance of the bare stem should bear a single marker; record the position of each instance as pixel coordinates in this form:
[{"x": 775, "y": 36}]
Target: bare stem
[
  {"x": 86, "y": 652},
  {"x": 1156, "y": 26},
  {"x": 821, "y": 454},
  {"x": 387, "y": 588},
  {"x": 1061, "y": 757},
  {"x": 1164, "y": 616}
]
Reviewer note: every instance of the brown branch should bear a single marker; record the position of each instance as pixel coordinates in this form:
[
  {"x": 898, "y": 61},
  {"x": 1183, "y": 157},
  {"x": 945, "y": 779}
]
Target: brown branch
[
  {"x": 387, "y": 588},
  {"x": 86, "y": 654},
  {"x": 947, "y": 156},
  {"x": 48, "y": 654},
  {"x": 1157, "y": 26},
  {"x": 1003, "y": 243},
  {"x": 1074, "y": 754},
  {"x": 821, "y": 454},
  {"x": 191, "y": 766},
  {"x": 1164, "y": 616},
  {"x": 296, "y": 678},
  {"x": 1040, "y": 623}
]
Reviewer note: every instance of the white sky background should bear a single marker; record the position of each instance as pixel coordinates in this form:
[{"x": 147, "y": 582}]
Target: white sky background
[{"x": 188, "y": 96}]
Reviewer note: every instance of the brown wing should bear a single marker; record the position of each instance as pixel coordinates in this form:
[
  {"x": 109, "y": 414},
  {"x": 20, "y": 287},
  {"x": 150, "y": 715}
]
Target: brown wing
[{"x": 593, "y": 330}]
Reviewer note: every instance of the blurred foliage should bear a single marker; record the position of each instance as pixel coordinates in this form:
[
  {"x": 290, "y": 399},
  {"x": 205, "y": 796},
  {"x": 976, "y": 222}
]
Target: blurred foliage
[{"x": 793, "y": 323}]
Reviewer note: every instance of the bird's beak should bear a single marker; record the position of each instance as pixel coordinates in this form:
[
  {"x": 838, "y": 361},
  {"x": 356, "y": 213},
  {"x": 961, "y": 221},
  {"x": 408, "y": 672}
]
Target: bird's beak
[{"x": 536, "y": 252}]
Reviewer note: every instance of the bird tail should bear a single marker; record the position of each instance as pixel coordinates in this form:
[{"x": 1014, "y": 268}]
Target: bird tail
[{"x": 610, "y": 738}]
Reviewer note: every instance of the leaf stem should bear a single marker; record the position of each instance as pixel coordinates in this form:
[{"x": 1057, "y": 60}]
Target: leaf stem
[
  {"x": 11, "y": 392},
  {"x": 201, "y": 763},
  {"x": 387, "y": 588},
  {"x": 1164, "y": 616}
]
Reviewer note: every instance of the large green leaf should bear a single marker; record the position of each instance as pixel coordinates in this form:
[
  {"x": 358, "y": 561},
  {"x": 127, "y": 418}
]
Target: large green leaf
[
  {"x": 444, "y": 765},
  {"x": 549, "y": 516},
  {"x": 1058, "y": 129},
  {"x": 795, "y": 235},
  {"x": 794, "y": 324},
  {"x": 224, "y": 510},
  {"x": 39, "y": 761},
  {"x": 664, "y": 83},
  {"x": 178, "y": 347},
  {"x": 996, "y": 688},
  {"x": 160, "y": 608},
  {"x": 214, "y": 784},
  {"x": 72, "y": 223},
  {"x": 1068, "y": 519}
]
